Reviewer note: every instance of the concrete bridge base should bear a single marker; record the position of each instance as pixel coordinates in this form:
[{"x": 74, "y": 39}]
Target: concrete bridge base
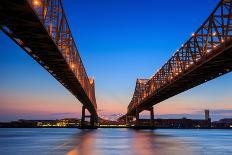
[
  {"x": 88, "y": 125},
  {"x": 138, "y": 124}
]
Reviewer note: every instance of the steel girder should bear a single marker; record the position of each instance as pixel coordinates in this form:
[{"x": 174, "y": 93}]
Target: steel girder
[
  {"x": 41, "y": 28},
  {"x": 206, "y": 52}
]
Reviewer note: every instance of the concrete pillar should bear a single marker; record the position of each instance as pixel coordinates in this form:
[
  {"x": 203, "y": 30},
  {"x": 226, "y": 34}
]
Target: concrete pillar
[
  {"x": 92, "y": 120},
  {"x": 137, "y": 118},
  {"x": 83, "y": 116},
  {"x": 152, "y": 117}
]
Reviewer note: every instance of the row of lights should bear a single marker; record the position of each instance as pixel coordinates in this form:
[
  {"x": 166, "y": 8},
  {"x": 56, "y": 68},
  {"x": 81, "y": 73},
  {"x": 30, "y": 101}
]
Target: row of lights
[
  {"x": 188, "y": 65},
  {"x": 213, "y": 34}
]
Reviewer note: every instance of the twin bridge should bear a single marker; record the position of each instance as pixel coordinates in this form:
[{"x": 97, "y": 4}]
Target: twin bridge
[
  {"x": 205, "y": 56},
  {"x": 41, "y": 29}
]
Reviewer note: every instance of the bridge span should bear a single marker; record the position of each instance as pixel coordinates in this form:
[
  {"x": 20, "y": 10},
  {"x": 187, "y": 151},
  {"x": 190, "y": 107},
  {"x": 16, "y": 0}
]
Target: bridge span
[
  {"x": 206, "y": 55},
  {"x": 40, "y": 27}
]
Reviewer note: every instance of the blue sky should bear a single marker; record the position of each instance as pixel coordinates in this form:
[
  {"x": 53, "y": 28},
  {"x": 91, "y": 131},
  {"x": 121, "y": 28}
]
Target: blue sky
[{"x": 119, "y": 41}]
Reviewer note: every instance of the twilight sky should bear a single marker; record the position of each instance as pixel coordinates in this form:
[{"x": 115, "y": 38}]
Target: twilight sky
[{"x": 119, "y": 41}]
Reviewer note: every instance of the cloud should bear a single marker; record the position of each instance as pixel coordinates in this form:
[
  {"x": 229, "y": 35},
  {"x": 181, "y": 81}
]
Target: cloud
[
  {"x": 63, "y": 114},
  {"x": 222, "y": 111}
]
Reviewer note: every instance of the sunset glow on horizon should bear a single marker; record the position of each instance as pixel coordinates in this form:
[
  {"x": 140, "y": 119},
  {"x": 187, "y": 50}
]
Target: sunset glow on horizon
[{"x": 118, "y": 41}]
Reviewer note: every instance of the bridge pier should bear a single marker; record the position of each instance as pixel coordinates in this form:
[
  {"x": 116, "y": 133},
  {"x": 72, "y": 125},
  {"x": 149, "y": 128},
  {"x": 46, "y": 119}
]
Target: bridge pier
[
  {"x": 152, "y": 117},
  {"x": 83, "y": 116},
  {"x": 137, "y": 120},
  {"x": 128, "y": 120},
  {"x": 93, "y": 120}
]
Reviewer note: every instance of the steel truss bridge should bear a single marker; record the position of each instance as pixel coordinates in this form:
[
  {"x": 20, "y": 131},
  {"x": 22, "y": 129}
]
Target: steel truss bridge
[
  {"x": 205, "y": 56},
  {"x": 41, "y": 28}
]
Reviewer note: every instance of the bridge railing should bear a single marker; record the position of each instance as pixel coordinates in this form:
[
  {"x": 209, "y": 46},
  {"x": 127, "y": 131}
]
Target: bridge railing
[
  {"x": 52, "y": 16},
  {"x": 213, "y": 33}
]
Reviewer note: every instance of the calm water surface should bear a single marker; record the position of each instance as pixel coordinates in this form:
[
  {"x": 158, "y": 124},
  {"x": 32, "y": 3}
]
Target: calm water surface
[{"x": 115, "y": 142}]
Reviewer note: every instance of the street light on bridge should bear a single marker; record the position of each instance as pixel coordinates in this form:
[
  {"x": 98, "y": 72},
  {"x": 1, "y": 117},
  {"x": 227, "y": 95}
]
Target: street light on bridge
[{"x": 36, "y": 3}]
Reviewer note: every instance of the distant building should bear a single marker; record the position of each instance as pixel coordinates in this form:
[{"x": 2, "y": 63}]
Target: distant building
[
  {"x": 67, "y": 122},
  {"x": 182, "y": 123},
  {"x": 207, "y": 117},
  {"x": 110, "y": 123},
  {"x": 226, "y": 121},
  {"x": 223, "y": 123}
]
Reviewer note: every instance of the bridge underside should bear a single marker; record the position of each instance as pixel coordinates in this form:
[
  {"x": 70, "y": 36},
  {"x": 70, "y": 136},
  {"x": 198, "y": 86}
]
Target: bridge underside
[
  {"x": 21, "y": 24},
  {"x": 218, "y": 64}
]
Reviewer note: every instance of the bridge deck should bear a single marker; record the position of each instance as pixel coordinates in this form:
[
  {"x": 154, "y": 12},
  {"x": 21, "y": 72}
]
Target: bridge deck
[
  {"x": 206, "y": 55},
  {"x": 218, "y": 64},
  {"x": 19, "y": 21}
]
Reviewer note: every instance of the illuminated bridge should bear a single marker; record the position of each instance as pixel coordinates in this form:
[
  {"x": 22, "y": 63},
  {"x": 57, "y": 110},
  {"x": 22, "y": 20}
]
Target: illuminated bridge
[
  {"x": 41, "y": 29},
  {"x": 205, "y": 56}
]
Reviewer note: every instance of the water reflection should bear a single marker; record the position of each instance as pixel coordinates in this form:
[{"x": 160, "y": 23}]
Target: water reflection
[
  {"x": 125, "y": 141},
  {"x": 83, "y": 143},
  {"x": 149, "y": 143},
  {"x": 114, "y": 142}
]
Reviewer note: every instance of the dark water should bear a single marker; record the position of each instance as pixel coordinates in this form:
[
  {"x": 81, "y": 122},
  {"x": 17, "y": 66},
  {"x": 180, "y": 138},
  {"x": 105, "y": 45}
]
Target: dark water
[{"x": 115, "y": 142}]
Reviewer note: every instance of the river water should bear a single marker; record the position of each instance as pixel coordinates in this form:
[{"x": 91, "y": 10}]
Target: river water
[{"x": 115, "y": 142}]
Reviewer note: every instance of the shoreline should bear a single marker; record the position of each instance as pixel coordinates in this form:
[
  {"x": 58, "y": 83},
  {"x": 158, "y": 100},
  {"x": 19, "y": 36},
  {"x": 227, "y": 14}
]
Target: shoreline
[{"x": 153, "y": 128}]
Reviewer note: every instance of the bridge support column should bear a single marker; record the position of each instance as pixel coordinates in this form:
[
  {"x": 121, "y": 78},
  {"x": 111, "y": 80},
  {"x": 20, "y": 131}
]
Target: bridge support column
[
  {"x": 93, "y": 120},
  {"x": 141, "y": 125},
  {"x": 83, "y": 116},
  {"x": 152, "y": 117},
  {"x": 137, "y": 118},
  {"x": 127, "y": 121}
]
